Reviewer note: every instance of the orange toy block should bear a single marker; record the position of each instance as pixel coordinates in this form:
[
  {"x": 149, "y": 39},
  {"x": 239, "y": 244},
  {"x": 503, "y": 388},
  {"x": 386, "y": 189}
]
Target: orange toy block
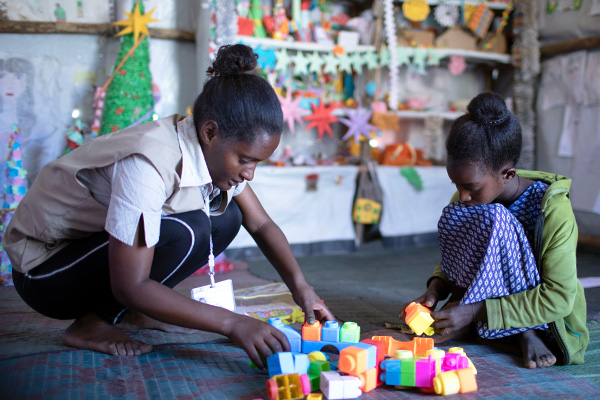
[
  {"x": 455, "y": 381},
  {"x": 419, "y": 345},
  {"x": 311, "y": 332},
  {"x": 353, "y": 360},
  {"x": 419, "y": 319},
  {"x": 368, "y": 380}
]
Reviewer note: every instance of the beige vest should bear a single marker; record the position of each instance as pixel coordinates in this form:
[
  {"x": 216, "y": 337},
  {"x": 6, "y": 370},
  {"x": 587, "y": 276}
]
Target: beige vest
[{"x": 58, "y": 208}]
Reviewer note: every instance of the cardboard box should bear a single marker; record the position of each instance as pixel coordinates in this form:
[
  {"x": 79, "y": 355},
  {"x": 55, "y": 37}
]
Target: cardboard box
[
  {"x": 421, "y": 38},
  {"x": 456, "y": 37}
]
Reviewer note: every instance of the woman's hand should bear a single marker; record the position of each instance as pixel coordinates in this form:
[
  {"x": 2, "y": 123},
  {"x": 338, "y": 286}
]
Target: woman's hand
[
  {"x": 454, "y": 317},
  {"x": 258, "y": 339},
  {"x": 435, "y": 292},
  {"x": 311, "y": 304}
]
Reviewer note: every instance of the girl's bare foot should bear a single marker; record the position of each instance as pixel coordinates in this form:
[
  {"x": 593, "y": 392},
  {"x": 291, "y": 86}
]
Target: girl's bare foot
[
  {"x": 535, "y": 351},
  {"x": 90, "y": 332},
  {"x": 135, "y": 320}
]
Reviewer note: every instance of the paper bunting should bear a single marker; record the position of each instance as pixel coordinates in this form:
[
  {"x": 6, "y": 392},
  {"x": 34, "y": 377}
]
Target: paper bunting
[
  {"x": 345, "y": 63},
  {"x": 300, "y": 64},
  {"x": 403, "y": 55},
  {"x": 372, "y": 60},
  {"x": 136, "y": 23},
  {"x": 358, "y": 124},
  {"x": 358, "y": 60},
  {"x": 457, "y": 65},
  {"x": 291, "y": 109},
  {"x": 419, "y": 58},
  {"x": 434, "y": 57},
  {"x": 331, "y": 63},
  {"x": 384, "y": 56},
  {"x": 266, "y": 57},
  {"x": 283, "y": 60},
  {"x": 316, "y": 63},
  {"x": 321, "y": 118}
]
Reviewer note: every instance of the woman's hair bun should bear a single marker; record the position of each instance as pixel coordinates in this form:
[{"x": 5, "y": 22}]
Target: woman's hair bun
[
  {"x": 488, "y": 108},
  {"x": 233, "y": 60}
]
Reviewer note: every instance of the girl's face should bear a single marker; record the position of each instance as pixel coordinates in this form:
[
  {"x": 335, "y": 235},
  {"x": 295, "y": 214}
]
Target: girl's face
[
  {"x": 12, "y": 86},
  {"x": 232, "y": 162},
  {"x": 476, "y": 185}
]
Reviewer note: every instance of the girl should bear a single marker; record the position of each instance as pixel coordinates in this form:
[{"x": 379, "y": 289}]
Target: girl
[
  {"x": 508, "y": 240},
  {"x": 106, "y": 231}
]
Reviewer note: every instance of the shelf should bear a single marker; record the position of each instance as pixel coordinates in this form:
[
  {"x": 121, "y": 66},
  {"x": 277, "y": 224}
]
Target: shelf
[
  {"x": 304, "y": 46},
  {"x": 414, "y": 114},
  {"x": 492, "y": 5}
]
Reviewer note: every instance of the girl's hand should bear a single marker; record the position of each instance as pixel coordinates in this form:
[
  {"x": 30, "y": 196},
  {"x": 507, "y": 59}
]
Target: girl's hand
[
  {"x": 258, "y": 339},
  {"x": 312, "y": 305},
  {"x": 454, "y": 317},
  {"x": 435, "y": 291}
]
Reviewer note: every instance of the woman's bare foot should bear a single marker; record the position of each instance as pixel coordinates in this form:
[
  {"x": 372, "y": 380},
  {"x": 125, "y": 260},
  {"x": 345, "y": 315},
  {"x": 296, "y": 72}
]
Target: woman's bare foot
[
  {"x": 535, "y": 351},
  {"x": 89, "y": 332},
  {"x": 135, "y": 320}
]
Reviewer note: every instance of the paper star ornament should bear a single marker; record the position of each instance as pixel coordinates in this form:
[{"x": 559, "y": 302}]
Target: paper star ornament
[
  {"x": 331, "y": 64},
  {"x": 385, "y": 56},
  {"x": 291, "y": 109},
  {"x": 136, "y": 23},
  {"x": 403, "y": 55},
  {"x": 266, "y": 57},
  {"x": 358, "y": 60},
  {"x": 321, "y": 118},
  {"x": 316, "y": 62},
  {"x": 345, "y": 63},
  {"x": 372, "y": 60},
  {"x": 358, "y": 124},
  {"x": 300, "y": 64},
  {"x": 283, "y": 60},
  {"x": 419, "y": 58}
]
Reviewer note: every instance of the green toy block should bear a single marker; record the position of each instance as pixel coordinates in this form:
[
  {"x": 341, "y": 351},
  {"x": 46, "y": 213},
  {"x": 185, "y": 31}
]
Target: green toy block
[
  {"x": 350, "y": 333},
  {"x": 407, "y": 366},
  {"x": 317, "y": 366},
  {"x": 407, "y": 379}
]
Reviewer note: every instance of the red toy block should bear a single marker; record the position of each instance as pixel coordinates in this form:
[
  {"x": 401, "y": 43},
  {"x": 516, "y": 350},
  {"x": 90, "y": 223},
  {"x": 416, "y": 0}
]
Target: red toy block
[{"x": 311, "y": 332}]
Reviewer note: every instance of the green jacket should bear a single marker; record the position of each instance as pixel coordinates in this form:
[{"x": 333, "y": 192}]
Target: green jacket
[{"x": 559, "y": 300}]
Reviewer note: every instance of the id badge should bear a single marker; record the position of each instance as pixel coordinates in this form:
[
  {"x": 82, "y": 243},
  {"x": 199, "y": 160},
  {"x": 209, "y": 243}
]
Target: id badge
[{"x": 220, "y": 295}]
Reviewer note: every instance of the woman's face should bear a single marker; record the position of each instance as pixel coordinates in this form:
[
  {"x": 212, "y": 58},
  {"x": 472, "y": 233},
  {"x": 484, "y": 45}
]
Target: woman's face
[
  {"x": 12, "y": 86},
  {"x": 230, "y": 162},
  {"x": 476, "y": 185}
]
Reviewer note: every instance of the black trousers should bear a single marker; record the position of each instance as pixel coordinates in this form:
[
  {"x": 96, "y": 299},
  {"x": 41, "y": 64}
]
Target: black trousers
[{"x": 76, "y": 280}]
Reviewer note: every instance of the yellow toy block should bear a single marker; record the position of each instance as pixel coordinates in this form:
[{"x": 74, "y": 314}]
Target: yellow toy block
[
  {"x": 314, "y": 396},
  {"x": 418, "y": 318},
  {"x": 455, "y": 381}
]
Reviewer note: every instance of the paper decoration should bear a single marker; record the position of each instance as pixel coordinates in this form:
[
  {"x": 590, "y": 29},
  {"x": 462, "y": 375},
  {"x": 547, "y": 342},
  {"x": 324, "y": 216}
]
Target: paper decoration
[
  {"x": 457, "y": 65},
  {"x": 331, "y": 63},
  {"x": 371, "y": 60},
  {"x": 434, "y": 57},
  {"x": 283, "y": 60},
  {"x": 403, "y": 55},
  {"x": 480, "y": 21},
  {"x": 266, "y": 57},
  {"x": 291, "y": 109},
  {"x": 257, "y": 15},
  {"x": 15, "y": 189},
  {"x": 316, "y": 63},
  {"x": 420, "y": 58},
  {"x": 446, "y": 14},
  {"x": 358, "y": 124},
  {"x": 345, "y": 63},
  {"x": 413, "y": 177},
  {"x": 503, "y": 22},
  {"x": 136, "y": 23},
  {"x": 415, "y": 10},
  {"x": 300, "y": 64},
  {"x": 129, "y": 97},
  {"x": 385, "y": 56},
  {"x": 321, "y": 118},
  {"x": 389, "y": 22}
]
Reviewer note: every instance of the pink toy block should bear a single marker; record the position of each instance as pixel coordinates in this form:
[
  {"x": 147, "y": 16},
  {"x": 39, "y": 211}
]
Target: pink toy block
[
  {"x": 452, "y": 361},
  {"x": 425, "y": 372}
]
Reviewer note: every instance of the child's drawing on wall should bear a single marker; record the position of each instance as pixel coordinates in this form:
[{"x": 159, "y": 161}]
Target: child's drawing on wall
[
  {"x": 16, "y": 104},
  {"x": 60, "y": 14},
  {"x": 79, "y": 8}
]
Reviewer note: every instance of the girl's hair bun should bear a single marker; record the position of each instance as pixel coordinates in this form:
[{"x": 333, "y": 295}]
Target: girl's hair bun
[
  {"x": 233, "y": 60},
  {"x": 488, "y": 108}
]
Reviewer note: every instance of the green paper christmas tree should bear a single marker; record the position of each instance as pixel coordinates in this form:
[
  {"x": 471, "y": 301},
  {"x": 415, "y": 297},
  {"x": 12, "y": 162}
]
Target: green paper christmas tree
[{"x": 128, "y": 100}]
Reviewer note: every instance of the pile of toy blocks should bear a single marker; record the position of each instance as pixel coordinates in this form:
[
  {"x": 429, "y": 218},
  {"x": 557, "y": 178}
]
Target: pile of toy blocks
[{"x": 362, "y": 365}]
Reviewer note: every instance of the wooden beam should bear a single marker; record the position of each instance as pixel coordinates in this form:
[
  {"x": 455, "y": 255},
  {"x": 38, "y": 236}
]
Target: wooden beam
[
  {"x": 570, "y": 46},
  {"x": 33, "y": 27}
]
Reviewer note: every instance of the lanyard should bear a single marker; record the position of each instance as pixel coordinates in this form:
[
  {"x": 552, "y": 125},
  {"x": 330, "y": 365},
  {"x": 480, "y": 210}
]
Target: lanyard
[{"x": 211, "y": 256}]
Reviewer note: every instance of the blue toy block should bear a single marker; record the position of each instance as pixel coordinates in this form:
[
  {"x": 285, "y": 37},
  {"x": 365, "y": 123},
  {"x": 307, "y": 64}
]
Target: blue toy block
[
  {"x": 371, "y": 353},
  {"x": 309, "y": 346},
  {"x": 330, "y": 332},
  {"x": 301, "y": 363},
  {"x": 281, "y": 364},
  {"x": 392, "y": 368},
  {"x": 293, "y": 336}
]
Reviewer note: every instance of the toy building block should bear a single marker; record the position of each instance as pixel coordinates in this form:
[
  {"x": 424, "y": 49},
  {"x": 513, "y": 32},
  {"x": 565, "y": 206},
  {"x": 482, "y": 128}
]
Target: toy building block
[
  {"x": 288, "y": 387},
  {"x": 293, "y": 336},
  {"x": 418, "y": 317},
  {"x": 452, "y": 361},
  {"x": 287, "y": 362},
  {"x": 456, "y": 381},
  {"x": 330, "y": 332},
  {"x": 309, "y": 346},
  {"x": 368, "y": 379},
  {"x": 311, "y": 332},
  {"x": 353, "y": 360},
  {"x": 314, "y": 396},
  {"x": 335, "y": 386},
  {"x": 462, "y": 352},
  {"x": 380, "y": 346},
  {"x": 314, "y": 372},
  {"x": 316, "y": 355},
  {"x": 350, "y": 333},
  {"x": 425, "y": 371},
  {"x": 419, "y": 345}
]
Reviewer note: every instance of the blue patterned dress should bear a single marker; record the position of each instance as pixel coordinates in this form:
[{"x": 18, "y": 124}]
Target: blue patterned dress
[{"x": 486, "y": 250}]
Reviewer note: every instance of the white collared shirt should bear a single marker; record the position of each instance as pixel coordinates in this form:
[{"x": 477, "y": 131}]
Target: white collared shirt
[{"x": 132, "y": 188}]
